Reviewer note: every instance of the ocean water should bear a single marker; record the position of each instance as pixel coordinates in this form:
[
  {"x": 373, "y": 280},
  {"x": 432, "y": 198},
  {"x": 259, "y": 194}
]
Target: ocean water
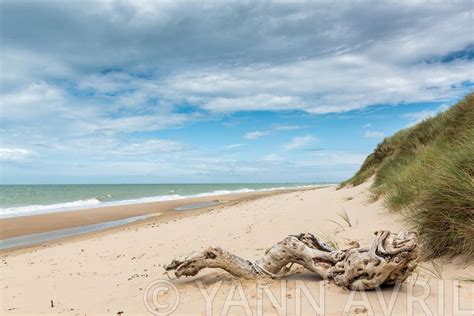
[{"x": 21, "y": 200}]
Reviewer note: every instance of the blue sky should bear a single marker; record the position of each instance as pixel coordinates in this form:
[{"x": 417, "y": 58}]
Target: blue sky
[{"x": 159, "y": 92}]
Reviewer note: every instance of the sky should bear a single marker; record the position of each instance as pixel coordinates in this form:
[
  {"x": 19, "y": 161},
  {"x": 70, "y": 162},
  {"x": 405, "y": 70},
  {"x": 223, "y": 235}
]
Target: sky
[{"x": 241, "y": 91}]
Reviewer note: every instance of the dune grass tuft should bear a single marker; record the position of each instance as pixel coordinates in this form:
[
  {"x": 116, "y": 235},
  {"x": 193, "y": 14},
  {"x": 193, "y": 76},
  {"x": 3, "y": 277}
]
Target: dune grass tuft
[
  {"x": 345, "y": 217},
  {"x": 427, "y": 172}
]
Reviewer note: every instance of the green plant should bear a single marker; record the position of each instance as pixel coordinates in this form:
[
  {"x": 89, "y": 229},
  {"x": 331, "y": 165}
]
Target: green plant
[{"x": 427, "y": 172}]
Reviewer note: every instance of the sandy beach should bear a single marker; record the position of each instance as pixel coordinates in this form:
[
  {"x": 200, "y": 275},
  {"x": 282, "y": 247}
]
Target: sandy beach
[
  {"x": 107, "y": 272},
  {"x": 24, "y": 225},
  {"x": 236, "y": 158}
]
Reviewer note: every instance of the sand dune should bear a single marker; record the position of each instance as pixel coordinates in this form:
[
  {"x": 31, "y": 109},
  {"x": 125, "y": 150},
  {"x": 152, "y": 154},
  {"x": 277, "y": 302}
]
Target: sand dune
[{"x": 107, "y": 273}]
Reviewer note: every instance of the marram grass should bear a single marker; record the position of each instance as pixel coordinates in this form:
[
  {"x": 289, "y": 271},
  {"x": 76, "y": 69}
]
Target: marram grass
[{"x": 427, "y": 172}]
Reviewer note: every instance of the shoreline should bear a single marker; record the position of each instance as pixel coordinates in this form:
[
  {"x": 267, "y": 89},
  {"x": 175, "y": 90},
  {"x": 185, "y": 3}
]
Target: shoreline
[
  {"x": 107, "y": 272},
  {"x": 97, "y": 198},
  {"x": 158, "y": 212}
]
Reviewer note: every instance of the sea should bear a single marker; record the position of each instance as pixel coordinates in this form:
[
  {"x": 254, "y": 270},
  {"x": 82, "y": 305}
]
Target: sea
[{"x": 22, "y": 200}]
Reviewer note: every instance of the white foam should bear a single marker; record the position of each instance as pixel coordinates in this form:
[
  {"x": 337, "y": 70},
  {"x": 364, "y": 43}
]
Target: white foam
[
  {"x": 33, "y": 209},
  {"x": 223, "y": 192},
  {"x": 93, "y": 202},
  {"x": 77, "y": 205}
]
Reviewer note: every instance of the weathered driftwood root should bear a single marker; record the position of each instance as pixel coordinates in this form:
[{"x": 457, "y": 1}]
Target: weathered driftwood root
[{"x": 390, "y": 259}]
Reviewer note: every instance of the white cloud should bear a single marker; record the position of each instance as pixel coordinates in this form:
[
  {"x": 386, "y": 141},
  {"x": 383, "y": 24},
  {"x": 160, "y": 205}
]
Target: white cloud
[
  {"x": 299, "y": 75},
  {"x": 14, "y": 154},
  {"x": 331, "y": 158},
  {"x": 93, "y": 93},
  {"x": 255, "y": 102},
  {"x": 374, "y": 134},
  {"x": 36, "y": 100},
  {"x": 417, "y": 117},
  {"x": 286, "y": 127},
  {"x": 112, "y": 147},
  {"x": 233, "y": 146},
  {"x": 299, "y": 142},
  {"x": 150, "y": 122},
  {"x": 267, "y": 88},
  {"x": 272, "y": 157},
  {"x": 151, "y": 147},
  {"x": 256, "y": 134},
  {"x": 268, "y": 75}
]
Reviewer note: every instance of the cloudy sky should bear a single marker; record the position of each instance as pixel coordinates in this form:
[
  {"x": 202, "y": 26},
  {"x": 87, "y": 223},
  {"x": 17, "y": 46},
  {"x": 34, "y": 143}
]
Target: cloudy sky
[{"x": 171, "y": 91}]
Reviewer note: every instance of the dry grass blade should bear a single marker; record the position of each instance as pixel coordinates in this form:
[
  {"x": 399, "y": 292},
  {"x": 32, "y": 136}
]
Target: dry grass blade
[
  {"x": 438, "y": 269},
  {"x": 343, "y": 214},
  {"x": 436, "y": 272},
  {"x": 336, "y": 222},
  {"x": 329, "y": 239}
]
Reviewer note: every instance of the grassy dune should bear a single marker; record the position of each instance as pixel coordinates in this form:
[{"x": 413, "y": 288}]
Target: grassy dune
[{"x": 427, "y": 172}]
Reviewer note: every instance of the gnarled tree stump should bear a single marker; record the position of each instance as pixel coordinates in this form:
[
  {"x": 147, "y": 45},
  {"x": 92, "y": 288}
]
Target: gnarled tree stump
[{"x": 390, "y": 259}]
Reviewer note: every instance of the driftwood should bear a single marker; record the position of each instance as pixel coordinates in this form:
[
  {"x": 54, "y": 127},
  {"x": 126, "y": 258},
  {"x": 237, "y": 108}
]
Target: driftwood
[{"x": 390, "y": 259}]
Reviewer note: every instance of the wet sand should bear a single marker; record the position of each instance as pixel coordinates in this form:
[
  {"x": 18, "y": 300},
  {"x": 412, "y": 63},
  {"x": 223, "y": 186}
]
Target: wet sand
[
  {"x": 108, "y": 272},
  {"x": 166, "y": 210}
]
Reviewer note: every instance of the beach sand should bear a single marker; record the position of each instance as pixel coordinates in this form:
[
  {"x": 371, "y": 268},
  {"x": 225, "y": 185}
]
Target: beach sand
[
  {"x": 107, "y": 272},
  {"x": 23, "y": 225}
]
